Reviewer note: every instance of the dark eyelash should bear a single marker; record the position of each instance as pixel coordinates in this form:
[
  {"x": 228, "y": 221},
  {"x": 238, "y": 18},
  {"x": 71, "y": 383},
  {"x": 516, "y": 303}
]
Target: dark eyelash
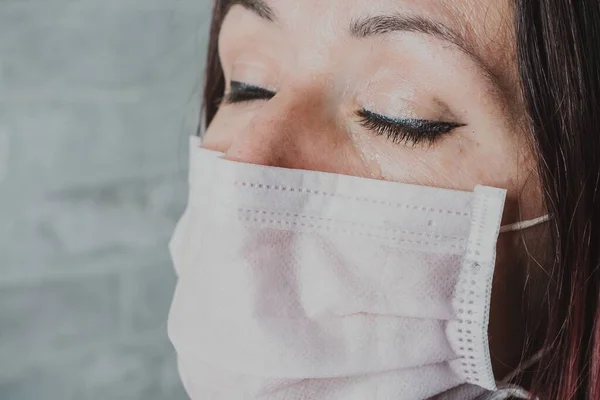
[
  {"x": 241, "y": 92},
  {"x": 409, "y": 130}
]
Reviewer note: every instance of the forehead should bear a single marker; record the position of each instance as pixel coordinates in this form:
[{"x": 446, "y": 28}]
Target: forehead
[
  {"x": 471, "y": 11},
  {"x": 485, "y": 26},
  {"x": 484, "y": 19}
]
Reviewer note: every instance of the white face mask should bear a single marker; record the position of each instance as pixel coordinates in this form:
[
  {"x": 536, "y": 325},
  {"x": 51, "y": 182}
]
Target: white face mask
[{"x": 308, "y": 285}]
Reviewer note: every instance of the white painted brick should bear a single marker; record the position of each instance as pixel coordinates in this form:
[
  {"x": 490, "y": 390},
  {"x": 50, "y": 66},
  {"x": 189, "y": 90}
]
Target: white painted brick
[
  {"x": 97, "y": 98},
  {"x": 55, "y": 315},
  {"x": 147, "y": 295},
  {"x": 125, "y": 219},
  {"x": 69, "y": 47},
  {"x": 129, "y": 371},
  {"x": 57, "y": 146},
  {"x": 5, "y": 152}
]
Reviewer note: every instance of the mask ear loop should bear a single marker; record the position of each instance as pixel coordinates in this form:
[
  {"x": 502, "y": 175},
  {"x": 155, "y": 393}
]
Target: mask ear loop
[
  {"x": 524, "y": 366},
  {"x": 509, "y": 392},
  {"x": 519, "y": 226},
  {"x": 506, "y": 388}
]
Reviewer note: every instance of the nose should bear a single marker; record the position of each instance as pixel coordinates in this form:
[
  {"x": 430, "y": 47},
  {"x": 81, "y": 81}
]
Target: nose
[{"x": 296, "y": 129}]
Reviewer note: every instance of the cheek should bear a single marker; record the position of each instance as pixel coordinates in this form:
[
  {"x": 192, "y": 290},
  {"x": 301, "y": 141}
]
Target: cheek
[
  {"x": 218, "y": 134},
  {"x": 454, "y": 163},
  {"x": 225, "y": 128},
  {"x": 447, "y": 164}
]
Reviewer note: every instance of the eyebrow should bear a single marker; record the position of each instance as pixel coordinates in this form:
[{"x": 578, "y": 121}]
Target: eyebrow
[
  {"x": 386, "y": 24},
  {"x": 259, "y": 7}
]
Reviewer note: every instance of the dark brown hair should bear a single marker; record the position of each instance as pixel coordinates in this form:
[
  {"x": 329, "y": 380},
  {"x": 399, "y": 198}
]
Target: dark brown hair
[{"x": 558, "y": 53}]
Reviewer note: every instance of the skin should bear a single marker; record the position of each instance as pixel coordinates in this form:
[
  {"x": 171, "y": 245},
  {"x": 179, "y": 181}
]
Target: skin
[{"x": 322, "y": 75}]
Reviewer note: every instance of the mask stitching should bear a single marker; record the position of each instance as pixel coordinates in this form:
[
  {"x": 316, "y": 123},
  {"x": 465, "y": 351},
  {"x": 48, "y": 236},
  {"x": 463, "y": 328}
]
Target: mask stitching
[
  {"x": 362, "y": 199},
  {"x": 328, "y": 228},
  {"x": 354, "y": 224},
  {"x": 474, "y": 285}
]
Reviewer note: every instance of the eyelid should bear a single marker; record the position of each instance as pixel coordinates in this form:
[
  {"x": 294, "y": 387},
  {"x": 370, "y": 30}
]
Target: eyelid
[
  {"x": 246, "y": 91},
  {"x": 252, "y": 74},
  {"x": 408, "y": 130},
  {"x": 397, "y": 130},
  {"x": 413, "y": 123},
  {"x": 242, "y": 92},
  {"x": 245, "y": 86},
  {"x": 406, "y": 102}
]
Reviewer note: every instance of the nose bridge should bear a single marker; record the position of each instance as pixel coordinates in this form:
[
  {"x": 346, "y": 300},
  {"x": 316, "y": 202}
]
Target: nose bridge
[{"x": 283, "y": 130}]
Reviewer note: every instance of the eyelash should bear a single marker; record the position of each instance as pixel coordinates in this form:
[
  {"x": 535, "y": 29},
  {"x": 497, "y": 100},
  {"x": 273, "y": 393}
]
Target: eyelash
[{"x": 397, "y": 130}]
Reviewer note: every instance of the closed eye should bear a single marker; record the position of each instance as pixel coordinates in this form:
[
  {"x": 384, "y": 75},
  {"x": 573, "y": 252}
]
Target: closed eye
[
  {"x": 397, "y": 130},
  {"x": 405, "y": 130},
  {"x": 242, "y": 92}
]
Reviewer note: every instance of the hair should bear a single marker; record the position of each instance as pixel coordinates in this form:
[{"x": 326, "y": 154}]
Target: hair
[
  {"x": 558, "y": 57},
  {"x": 558, "y": 45}
]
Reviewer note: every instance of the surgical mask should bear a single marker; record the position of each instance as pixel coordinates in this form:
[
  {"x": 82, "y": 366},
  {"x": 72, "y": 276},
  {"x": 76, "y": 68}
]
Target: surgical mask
[{"x": 299, "y": 284}]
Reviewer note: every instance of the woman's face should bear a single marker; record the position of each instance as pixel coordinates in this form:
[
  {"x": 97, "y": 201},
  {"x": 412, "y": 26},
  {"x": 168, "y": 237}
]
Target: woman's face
[{"x": 416, "y": 91}]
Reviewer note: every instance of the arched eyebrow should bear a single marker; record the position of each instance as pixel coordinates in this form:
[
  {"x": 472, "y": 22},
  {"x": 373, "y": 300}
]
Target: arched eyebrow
[
  {"x": 386, "y": 24},
  {"x": 259, "y": 7},
  {"x": 376, "y": 25}
]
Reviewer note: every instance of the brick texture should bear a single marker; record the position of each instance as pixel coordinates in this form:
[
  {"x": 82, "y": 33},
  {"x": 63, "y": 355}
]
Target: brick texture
[{"x": 97, "y": 100}]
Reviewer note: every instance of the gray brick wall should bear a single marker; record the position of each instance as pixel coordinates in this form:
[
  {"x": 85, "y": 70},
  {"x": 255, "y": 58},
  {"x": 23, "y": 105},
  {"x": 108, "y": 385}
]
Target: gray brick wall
[{"x": 97, "y": 100}]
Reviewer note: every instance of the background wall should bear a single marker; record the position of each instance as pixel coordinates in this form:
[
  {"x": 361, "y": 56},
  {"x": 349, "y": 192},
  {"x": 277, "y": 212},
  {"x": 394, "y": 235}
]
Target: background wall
[{"x": 97, "y": 100}]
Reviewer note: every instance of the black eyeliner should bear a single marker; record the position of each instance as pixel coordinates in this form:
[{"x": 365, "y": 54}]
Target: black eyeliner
[
  {"x": 410, "y": 130},
  {"x": 241, "y": 92},
  {"x": 414, "y": 124},
  {"x": 397, "y": 130}
]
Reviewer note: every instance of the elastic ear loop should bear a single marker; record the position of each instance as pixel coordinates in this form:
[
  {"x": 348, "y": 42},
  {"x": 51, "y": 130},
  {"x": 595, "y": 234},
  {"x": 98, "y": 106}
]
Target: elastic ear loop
[
  {"x": 505, "y": 389},
  {"x": 523, "y": 367},
  {"x": 519, "y": 226},
  {"x": 508, "y": 392}
]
